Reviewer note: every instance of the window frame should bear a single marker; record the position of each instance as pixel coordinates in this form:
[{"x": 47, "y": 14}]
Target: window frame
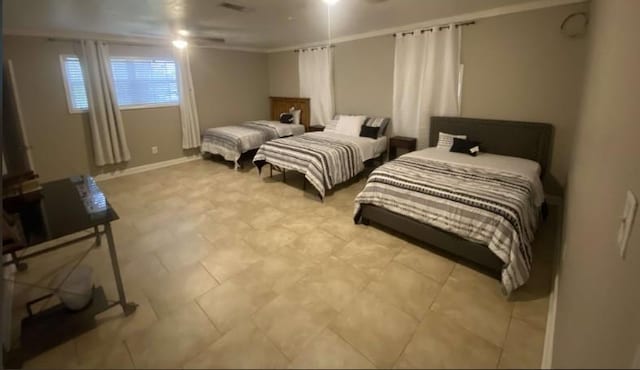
[
  {"x": 148, "y": 105},
  {"x": 67, "y": 89}
]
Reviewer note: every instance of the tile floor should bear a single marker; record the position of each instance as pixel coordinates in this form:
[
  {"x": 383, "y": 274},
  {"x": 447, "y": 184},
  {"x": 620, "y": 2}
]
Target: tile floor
[{"x": 232, "y": 270}]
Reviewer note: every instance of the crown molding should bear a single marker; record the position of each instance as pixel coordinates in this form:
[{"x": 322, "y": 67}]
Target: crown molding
[
  {"x": 503, "y": 10},
  {"x": 118, "y": 39}
]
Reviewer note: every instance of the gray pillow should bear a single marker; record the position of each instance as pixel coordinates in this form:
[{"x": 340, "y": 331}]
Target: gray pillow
[{"x": 381, "y": 122}]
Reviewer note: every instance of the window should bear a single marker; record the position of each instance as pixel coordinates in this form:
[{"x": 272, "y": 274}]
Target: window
[
  {"x": 139, "y": 82},
  {"x": 74, "y": 83},
  {"x": 143, "y": 82}
]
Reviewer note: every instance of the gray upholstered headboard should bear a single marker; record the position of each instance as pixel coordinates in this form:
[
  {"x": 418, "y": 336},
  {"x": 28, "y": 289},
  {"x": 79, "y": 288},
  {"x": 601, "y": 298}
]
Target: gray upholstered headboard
[{"x": 530, "y": 140}]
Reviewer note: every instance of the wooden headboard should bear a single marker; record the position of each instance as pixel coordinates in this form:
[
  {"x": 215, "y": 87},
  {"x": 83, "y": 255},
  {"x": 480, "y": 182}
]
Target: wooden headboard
[
  {"x": 530, "y": 140},
  {"x": 283, "y": 104}
]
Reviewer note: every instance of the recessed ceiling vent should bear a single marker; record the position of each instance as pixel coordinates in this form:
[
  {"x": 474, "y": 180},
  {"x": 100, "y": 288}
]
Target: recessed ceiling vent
[{"x": 234, "y": 7}]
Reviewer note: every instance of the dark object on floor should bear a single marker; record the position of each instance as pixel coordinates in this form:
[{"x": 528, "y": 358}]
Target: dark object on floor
[{"x": 402, "y": 142}]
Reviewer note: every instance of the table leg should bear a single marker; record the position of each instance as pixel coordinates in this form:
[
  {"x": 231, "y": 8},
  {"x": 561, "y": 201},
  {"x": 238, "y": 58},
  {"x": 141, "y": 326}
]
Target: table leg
[
  {"x": 127, "y": 307},
  {"x": 98, "y": 237}
]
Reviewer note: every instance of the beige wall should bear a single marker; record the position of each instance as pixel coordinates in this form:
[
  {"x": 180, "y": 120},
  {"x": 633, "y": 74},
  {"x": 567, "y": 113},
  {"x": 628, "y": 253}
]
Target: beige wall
[
  {"x": 598, "y": 312},
  {"x": 283, "y": 74},
  {"x": 521, "y": 67},
  {"x": 230, "y": 86},
  {"x": 517, "y": 67},
  {"x": 363, "y": 75}
]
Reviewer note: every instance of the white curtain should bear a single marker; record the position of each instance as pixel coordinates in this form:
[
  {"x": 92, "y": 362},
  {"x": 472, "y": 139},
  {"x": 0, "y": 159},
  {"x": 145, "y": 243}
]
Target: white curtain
[
  {"x": 315, "y": 67},
  {"x": 425, "y": 80},
  {"x": 107, "y": 131},
  {"x": 188, "y": 107}
]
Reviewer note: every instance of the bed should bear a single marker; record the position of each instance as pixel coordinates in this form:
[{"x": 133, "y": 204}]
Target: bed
[
  {"x": 325, "y": 158},
  {"x": 232, "y": 141},
  {"x": 484, "y": 209}
]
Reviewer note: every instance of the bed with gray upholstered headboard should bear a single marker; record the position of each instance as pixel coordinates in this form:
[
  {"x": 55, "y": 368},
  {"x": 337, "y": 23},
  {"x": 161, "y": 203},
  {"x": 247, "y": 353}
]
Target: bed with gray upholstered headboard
[{"x": 527, "y": 140}]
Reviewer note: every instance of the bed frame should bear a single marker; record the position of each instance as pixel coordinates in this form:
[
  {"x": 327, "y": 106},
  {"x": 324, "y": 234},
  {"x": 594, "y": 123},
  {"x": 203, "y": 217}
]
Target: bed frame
[{"x": 528, "y": 140}]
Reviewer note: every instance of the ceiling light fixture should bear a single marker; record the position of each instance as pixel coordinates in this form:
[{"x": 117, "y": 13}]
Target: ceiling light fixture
[
  {"x": 330, "y": 2},
  {"x": 184, "y": 32},
  {"x": 180, "y": 44}
]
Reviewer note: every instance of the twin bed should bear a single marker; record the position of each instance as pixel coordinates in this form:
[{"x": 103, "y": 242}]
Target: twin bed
[{"x": 232, "y": 141}]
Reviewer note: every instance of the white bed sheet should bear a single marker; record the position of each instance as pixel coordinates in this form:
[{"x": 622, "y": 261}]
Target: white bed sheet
[
  {"x": 502, "y": 163},
  {"x": 369, "y": 148}
]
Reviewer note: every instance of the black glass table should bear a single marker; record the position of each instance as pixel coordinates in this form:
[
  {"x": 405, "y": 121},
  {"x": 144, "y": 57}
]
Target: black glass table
[{"x": 67, "y": 207}]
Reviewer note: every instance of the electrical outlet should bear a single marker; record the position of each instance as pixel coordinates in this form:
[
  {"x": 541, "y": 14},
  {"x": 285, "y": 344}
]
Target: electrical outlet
[
  {"x": 154, "y": 150},
  {"x": 628, "y": 216}
]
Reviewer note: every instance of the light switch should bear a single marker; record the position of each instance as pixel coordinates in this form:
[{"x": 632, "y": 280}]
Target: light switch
[{"x": 628, "y": 216}]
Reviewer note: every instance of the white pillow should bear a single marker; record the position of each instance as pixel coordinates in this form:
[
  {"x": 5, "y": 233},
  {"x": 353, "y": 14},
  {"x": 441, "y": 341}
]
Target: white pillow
[
  {"x": 445, "y": 141},
  {"x": 350, "y": 125},
  {"x": 296, "y": 115},
  {"x": 331, "y": 125}
]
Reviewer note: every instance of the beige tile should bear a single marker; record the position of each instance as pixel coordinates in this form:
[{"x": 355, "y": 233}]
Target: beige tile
[
  {"x": 215, "y": 230},
  {"x": 266, "y": 218},
  {"x": 475, "y": 301},
  {"x": 532, "y": 310},
  {"x": 270, "y": 241},
  {"x": 301, "y": 223},
  {"x": 106, "y": 356},
  {"x": 244, "y": 347},
  {"x": 230, "y": 258},
  {"x": 178, "y": 288},
  {"x": 329, "y": 351},
  {"x": 343, "y": 227},
  {"x": 273, "y": 273},
  {"x": 188, "y": 250},
  {"x": 406, "y": 289},
  {"x": 426, "y": 263},
  {"x": 229, "y": 305},
  {"x": 335, "y": 281},
  {"x": 172, "y": 340},
  {"x": 367, "y": 256},
  {"x": 523, "y": 346},
  {"x": 293, "y": 319},
  {"x": 375, "y": 328},
  {"x": 387, "y": 238},
  {"x": 144, "y": 243},
  {"x": 440, "y": 342},
  {"x": 317, "y": 244}
]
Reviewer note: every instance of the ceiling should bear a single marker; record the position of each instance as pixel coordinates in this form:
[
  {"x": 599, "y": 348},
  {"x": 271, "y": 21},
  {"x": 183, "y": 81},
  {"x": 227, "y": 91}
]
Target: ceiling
[{"x": 265, "y": 24}]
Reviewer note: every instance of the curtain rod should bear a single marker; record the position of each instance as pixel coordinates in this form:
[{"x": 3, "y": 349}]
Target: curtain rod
[
  {"x": 314, "y": 48},
  {"x": 114, "y": 42},
  {"x": 430, "y": 29}
]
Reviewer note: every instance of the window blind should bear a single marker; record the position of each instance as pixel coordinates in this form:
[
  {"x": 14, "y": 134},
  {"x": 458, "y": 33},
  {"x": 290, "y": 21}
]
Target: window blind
[
  {"x": 76, "y": 93},
  {"x": 145, "y": 82}
]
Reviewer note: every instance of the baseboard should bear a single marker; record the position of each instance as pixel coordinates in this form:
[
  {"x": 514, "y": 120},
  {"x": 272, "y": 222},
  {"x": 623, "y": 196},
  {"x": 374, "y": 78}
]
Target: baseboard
[
  {"x": 145, "y": 168},
  {"x": 550, "y": 330},
  {"x": 547, "y": 351}
]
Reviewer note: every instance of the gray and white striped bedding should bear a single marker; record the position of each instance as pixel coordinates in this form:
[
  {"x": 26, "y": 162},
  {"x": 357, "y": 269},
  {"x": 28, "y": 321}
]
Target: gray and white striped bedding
[
  {"x": 487, "y": 206},
  {"x": 324, "y": 161},
  {"x": 231, "y": 141}
]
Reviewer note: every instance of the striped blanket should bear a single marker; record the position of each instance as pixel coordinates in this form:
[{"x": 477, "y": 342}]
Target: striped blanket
[
  {"x": 231, "y": 141},
  {"x": 324, "y": 161},
  {"x": 484, "y": 206}
]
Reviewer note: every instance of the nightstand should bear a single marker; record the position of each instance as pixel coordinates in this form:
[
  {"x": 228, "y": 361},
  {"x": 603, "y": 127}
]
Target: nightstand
[
  {"x": 315, "y": 128},
  {"x": 402, "y": 142}
]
